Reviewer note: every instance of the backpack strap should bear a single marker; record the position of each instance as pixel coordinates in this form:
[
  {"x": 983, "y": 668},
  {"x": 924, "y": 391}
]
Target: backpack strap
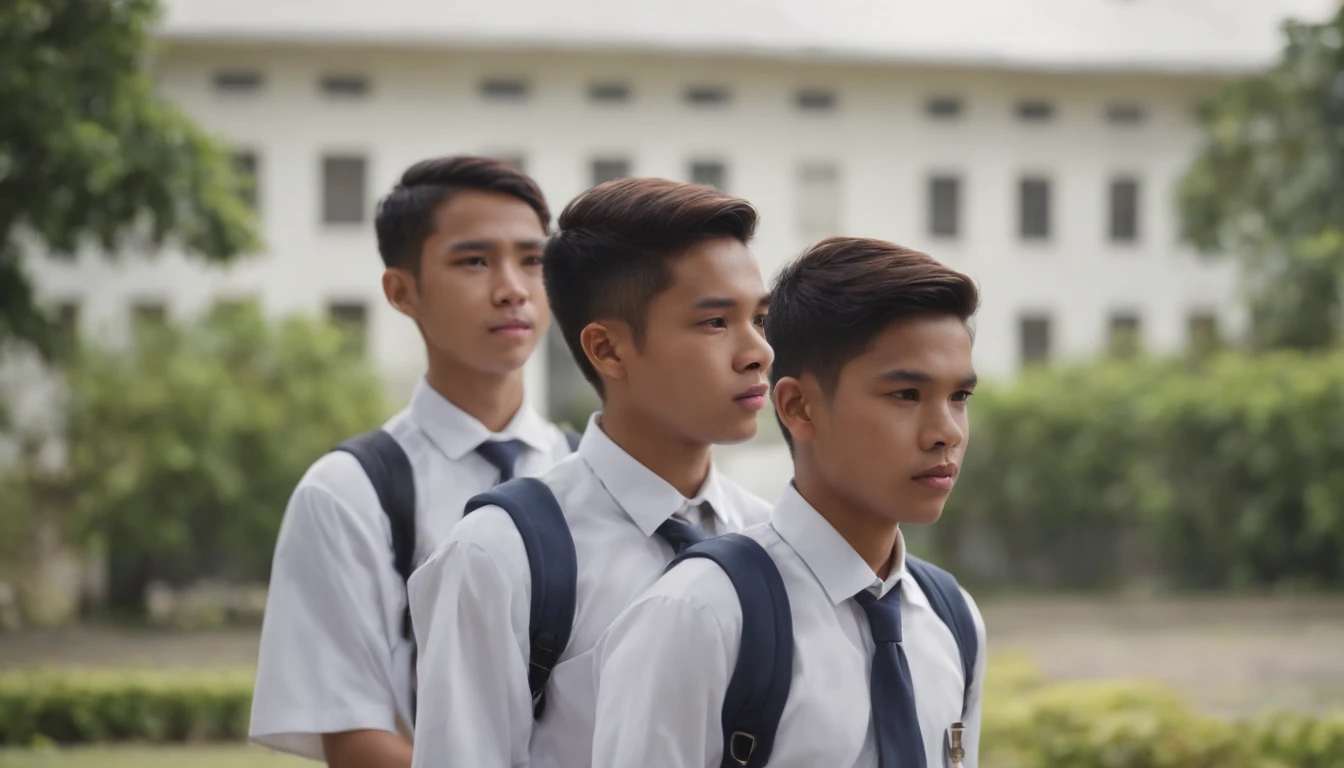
[
  {"x": 572, "y": 438},
  {"x": 389, "y": 471},
  {"x": 555, "y": 572},
  {"x": 950, "y": 604},
  {"x": 760, "y": 683}
]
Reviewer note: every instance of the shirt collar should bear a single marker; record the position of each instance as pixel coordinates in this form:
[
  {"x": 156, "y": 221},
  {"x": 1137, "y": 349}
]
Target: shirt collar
[
  {"x": 457, "y": 432},
  {"x": 833, "y": 562},
  {"x": 644, "y": 496}
]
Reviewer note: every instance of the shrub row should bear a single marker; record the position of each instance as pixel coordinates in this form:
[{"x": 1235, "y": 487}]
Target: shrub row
[
  {"x": 1194, "y": 474},
  {"x": 1029, "y": 722}
]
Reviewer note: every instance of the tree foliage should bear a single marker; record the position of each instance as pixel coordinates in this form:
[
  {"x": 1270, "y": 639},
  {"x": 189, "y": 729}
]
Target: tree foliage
[
  {"x": 1268, "y": 187},
  {"x": 184, "y": 449},
  {"x": 91, "y": 154}
]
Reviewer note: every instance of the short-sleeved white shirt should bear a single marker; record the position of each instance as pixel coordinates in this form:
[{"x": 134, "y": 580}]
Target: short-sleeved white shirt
[
  {"x": 472, "y": 599},
  {"x": 332, "y": 654}
]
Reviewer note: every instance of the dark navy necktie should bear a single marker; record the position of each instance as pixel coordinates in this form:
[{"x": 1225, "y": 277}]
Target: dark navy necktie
[
  {"x": 681, "y": 534},
  {"x": 502, "y": 454},
  {"x": 895, "y": 721}
]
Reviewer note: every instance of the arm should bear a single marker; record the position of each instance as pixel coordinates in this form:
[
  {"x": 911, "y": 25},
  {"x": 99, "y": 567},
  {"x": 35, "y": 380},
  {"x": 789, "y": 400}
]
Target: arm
[
  {"x": 663, "y": 670},
  {"x": 326, "y": 662},
  {"x": 366, "y": 749},
  {"x": 971, "y": 738},
  {"x": 471, "y": 605}
]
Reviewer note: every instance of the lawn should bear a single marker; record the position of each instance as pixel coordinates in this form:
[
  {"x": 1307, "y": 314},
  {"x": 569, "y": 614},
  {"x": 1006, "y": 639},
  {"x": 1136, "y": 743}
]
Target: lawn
[{"x": 215, "y": 756}]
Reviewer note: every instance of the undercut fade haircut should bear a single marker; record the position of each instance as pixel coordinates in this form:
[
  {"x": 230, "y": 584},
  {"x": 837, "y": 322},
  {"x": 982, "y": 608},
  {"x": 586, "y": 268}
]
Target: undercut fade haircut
[
  {"x": 615, "y": 247},
  {"x": 828, "y": 306},
  {"x": 405, "y": 217}
]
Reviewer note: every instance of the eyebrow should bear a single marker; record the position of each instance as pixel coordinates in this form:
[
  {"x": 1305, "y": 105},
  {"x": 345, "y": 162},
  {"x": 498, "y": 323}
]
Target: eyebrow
[
  {"x": 903, "y": 374},
  {"x": 723, "y": 302},
  {"x": 486, "y": 245}
]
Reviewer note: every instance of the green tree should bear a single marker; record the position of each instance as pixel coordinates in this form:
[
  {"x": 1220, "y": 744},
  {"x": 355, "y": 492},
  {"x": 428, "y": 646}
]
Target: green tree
[
  {"x": 90, "y": 154},
  {"x": 1268, "y": 187},
  {"x": 185, "y": 448}
]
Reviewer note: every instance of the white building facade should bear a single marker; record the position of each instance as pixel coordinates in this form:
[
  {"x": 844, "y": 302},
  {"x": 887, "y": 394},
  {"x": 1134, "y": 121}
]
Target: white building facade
[{"x": 1048, "y": 173}]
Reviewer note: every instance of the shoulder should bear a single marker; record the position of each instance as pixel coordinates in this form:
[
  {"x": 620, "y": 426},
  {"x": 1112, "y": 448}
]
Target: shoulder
[{"x": 335, "y": 490}]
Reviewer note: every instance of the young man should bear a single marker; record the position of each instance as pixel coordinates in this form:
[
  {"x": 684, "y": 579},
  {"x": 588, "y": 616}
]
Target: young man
[
  {"x": 871, "y": 380},
  {"x": 461, "y": 239},
  {"x": 662, "y": 305}
]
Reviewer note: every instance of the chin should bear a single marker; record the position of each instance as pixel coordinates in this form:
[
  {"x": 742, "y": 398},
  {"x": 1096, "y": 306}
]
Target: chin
[
  {"x": 922, "y": 516},
  {"x": 733, "y": 433}
]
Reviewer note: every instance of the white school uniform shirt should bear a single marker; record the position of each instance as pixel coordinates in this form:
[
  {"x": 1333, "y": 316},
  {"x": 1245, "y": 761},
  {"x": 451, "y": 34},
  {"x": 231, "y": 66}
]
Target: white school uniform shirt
[
  {"x": 664, "y": 665},
  {"x": 332, "y": 655},
  {"x": 471, "y": 604}
]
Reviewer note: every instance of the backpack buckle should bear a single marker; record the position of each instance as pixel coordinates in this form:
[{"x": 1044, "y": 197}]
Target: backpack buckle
[{"x": 741, "y": 746}]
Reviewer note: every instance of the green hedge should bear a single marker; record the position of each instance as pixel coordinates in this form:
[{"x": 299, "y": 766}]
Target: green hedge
[
  {"x": 73, "y": 706},
  {"x": 1220, "y": 473},
  {"x": 1029, "y": 722}
]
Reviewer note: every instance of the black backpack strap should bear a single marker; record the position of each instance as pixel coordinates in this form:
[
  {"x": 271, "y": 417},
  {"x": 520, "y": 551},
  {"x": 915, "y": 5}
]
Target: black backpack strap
[
  {"x": 950, "y": 604},
  {"x": 572, "y": 438},
  {"x": 555, "y": 572},
  {"x": 760, "y": 683},
  {"x": 389, "y": 470}
]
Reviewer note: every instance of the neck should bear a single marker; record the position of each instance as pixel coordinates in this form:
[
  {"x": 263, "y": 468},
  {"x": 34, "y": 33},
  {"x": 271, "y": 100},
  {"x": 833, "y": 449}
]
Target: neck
[
  {"x": 683, "y": 464},
  {"x": 492, "y": 399},
  {"x": 871, "y": 536}
]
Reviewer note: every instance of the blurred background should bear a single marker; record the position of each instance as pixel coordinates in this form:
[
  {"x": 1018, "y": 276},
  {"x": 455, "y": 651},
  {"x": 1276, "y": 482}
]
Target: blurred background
[{"x": 1150, "y": 194}]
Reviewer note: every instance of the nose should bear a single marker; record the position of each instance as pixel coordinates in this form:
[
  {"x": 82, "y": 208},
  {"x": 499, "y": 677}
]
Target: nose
[
  {"x": 755, "y": 353},
  {"x": 508, "y": 285},
  {"x": 942, "y": 429}
]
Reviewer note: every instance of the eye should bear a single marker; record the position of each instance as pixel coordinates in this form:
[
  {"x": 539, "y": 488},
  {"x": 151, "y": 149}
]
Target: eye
[
  {"x": 906, "y": 394},
  {"x": 962, "y": 396},
  {"x": 759, "y": 320},
  {"x": 532, "y": 261},
  {"x": 716, "y": 322},
  {"x": 472, "y": 261}
]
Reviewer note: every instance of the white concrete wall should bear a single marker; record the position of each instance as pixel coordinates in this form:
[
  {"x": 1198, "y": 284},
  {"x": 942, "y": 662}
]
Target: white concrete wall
[{"x": 425, "y": 102}]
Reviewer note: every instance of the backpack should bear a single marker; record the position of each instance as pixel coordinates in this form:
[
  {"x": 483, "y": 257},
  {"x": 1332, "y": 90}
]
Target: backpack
[
  {"x": 389, "y": 470},
  {"x": 759, "y": 685}
]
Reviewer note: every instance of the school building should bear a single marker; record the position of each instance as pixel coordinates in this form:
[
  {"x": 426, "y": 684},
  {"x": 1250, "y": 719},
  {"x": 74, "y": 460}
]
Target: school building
[{"x": 1035, "y": 144}]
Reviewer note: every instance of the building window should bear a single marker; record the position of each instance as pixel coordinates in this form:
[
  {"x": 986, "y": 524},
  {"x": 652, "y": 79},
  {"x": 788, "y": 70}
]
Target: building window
[
  {"x": 710, "y": 173},
  {"x": 944, "y": 206},
  {"x": 609, "y": 168},
  {"x": 815, "y": 100},
  {"x": 1204, "y": 335},
  {"x": 707, "y": 95},
  {"x": 1125, "y": 334},
  {"x": 1034, "y": 332},
  {"x": 609, "y": 92},
  {"x": 818, "y": 211},
  {"x": 1125, "y": 113},
  {"x": 504, "y": 89},
  {"x": 1035, "y": 110},
  {"x": 351, "y": 318},
  {"x": 943, "y": 107},
  {"x": 64, "y": 318},
  {"x": 343, "y": 185},
  {"x": 1034, "y": 208},
  {"x": 237, "y": 81},
  {"x": 345, "y": 86},
  {"x": 1124, "y": 210},
  {"x": 245, "y": 166}
]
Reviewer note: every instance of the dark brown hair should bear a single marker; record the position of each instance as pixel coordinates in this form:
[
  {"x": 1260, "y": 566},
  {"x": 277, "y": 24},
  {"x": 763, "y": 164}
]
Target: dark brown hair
[
  {"x": 828, "y": 305},
  {"x": 613, "y": 251},
  {"x": 406, "y": 215}
]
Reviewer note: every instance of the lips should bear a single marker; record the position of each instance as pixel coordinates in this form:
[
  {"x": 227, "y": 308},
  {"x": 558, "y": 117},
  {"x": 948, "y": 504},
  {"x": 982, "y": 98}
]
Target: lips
[
  {"x": 939, "y": 478},
  {"x": 753, "y": 398},
  {"x": 512, "y": 328}
]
